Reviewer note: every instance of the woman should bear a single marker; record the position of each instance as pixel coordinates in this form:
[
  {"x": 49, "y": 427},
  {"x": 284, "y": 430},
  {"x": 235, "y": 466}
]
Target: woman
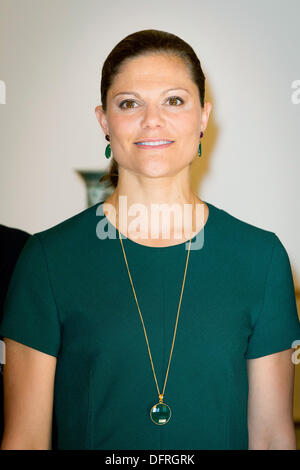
[{"x": 151, "y": 342}]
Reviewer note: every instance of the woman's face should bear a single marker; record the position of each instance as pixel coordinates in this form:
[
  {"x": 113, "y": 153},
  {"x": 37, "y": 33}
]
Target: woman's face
[{"x": 153, "y": 97}]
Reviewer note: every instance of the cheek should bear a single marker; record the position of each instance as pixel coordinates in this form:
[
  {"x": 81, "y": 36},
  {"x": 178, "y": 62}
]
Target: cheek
[
  {"x": 186, "y": 124},
  {"x": 123, "y": 126}
]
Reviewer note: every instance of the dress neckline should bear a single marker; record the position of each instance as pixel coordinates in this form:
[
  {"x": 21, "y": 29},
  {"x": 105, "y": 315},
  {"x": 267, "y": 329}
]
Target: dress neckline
[{"x": 132, "y": 243}]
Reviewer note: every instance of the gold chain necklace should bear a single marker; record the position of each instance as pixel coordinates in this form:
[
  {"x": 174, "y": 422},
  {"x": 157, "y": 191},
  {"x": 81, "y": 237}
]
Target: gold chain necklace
[{"x": 160, "y": 413}]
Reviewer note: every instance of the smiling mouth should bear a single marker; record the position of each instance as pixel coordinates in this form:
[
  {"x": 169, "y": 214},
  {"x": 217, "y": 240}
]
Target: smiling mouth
[{"x": 154, "y": 144}]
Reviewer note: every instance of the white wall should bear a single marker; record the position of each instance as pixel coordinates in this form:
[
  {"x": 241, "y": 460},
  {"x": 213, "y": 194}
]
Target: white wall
[{"x": 51, "y": 55}]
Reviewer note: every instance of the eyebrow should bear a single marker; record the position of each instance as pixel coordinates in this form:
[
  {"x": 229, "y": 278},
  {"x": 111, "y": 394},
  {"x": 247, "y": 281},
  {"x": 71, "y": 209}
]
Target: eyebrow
[{"x": 136, "y": 94}]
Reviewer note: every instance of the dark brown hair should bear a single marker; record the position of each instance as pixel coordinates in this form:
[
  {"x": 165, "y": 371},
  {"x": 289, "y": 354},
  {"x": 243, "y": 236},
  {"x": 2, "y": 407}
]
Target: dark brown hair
[{"x": 146, "y": 42}]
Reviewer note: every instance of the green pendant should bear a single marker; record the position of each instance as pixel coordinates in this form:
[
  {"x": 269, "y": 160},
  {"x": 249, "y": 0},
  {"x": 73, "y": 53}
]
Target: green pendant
[
  {"x": 107, "y": 151},
  {"x": 199, "y": 150},
  {"x": 160, "y": 413}
]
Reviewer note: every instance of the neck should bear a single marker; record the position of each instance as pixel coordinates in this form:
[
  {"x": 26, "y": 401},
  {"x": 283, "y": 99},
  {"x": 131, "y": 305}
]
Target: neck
[{"x": 156, "y": 219}]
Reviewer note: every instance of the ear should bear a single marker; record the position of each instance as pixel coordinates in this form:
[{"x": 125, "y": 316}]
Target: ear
[
  {"x": 100, "y": 115},
  {"x": 205, "y": 115}
]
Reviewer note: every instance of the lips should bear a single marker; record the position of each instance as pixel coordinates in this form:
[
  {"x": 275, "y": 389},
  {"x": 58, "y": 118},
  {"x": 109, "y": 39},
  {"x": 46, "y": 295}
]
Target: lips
[
  {"x": 153, "y": 140},
  {"x": 153, "y": 144}
]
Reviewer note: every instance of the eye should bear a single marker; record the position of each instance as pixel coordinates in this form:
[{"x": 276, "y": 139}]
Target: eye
[
  {"x": 174, "y": 98},
  {"x": 126, "y": 101}
]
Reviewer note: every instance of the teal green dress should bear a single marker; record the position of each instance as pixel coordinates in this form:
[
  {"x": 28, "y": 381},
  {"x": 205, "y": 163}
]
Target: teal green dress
[{"x": 70, "y": 296}]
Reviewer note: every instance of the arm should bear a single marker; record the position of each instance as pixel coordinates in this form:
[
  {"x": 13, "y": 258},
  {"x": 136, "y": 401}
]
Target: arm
[
  {"x": 28, "y": 397},
  {"x": 270, "y": 402}
]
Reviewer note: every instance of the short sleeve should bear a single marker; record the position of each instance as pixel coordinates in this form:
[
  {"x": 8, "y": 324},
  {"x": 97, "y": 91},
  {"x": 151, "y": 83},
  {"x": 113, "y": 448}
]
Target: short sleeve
[
  {"x": 277, "y": 325},
  {"x": 30, "y": 314}
]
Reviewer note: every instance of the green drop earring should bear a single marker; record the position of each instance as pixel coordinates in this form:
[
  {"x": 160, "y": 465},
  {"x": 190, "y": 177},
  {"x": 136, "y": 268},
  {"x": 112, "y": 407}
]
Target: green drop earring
[
  {"x": 199, "y": 150},
  {"x": 108, "y": 148}
]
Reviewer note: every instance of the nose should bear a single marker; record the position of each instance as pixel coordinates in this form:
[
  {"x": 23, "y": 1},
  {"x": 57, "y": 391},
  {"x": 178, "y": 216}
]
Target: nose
[{"x": 152, "y": 117}]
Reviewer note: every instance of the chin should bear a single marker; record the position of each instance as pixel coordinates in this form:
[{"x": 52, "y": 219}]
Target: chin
[
  {"x": 156, "y": 171},
  {"x": 153, "y": 174}
]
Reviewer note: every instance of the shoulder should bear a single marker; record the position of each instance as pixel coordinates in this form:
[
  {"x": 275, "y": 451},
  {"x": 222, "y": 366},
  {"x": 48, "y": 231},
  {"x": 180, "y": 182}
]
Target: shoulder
[
  {"x": 239, "y": 227},
  {"x": 243, "y": 238},
  {"x": 74, "y": 232}
]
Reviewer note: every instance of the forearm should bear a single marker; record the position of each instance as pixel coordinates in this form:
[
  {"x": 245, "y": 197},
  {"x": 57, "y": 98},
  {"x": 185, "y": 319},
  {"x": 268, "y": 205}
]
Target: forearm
[
  {"x": 285, "y": 441},
  {"x": 23, "y": 443},
  {"x": 281, "y": 439}
]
